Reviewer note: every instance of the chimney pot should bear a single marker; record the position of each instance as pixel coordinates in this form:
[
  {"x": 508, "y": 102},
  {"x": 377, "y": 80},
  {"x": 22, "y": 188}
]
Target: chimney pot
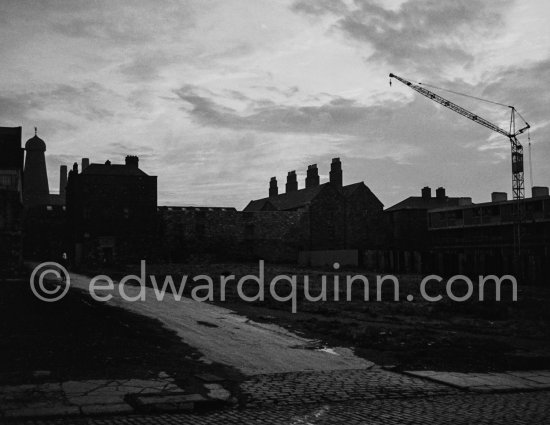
[
  {"x": 273, "y": 189},
  {"x": 539, "y": 191},
  {"x": 132, "y": 160},
  {"x": 291, "y": 182},
  {"x": 312, "y": 177},
  {"x": 499, "y": 196},
  {"x": 440, "y": 193},
  {"x": 426, "y": 192},
  {"x": 335, "y": 175},
  {"x": 62, "y": 180}
]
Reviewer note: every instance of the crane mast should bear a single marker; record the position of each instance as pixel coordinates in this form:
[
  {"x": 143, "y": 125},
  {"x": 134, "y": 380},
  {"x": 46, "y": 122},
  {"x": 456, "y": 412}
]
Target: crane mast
[{"x": 518, "y": 183}]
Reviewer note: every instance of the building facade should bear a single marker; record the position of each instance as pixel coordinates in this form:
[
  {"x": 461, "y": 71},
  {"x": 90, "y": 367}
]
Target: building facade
[
  {"x": 498, "y": 237},
  {"x": 11, "y": 201},
  {"x": 335, "y": 217},
  {"x": 111, "y": 213}
]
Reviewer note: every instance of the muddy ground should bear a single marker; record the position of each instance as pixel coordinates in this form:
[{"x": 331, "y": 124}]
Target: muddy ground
[{"x": 447, "y": 335}]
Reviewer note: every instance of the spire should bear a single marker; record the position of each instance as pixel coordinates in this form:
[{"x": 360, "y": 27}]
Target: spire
[{"x": 35, "y": 130}]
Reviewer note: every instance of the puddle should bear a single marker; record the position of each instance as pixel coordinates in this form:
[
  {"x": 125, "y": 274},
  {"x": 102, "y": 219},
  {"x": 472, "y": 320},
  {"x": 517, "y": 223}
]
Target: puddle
[
  {"x": 208, "y": 324},
  {"x": 328, "y": 350},
  {"x": 315, "y": 346}
]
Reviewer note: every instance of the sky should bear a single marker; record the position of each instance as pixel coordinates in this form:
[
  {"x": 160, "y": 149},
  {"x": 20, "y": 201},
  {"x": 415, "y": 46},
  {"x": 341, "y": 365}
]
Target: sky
[{"x": 217, "y": 96}]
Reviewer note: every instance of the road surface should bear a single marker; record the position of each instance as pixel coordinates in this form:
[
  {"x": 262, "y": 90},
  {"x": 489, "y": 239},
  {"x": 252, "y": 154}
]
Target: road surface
[{"x": 224, "y": 336}]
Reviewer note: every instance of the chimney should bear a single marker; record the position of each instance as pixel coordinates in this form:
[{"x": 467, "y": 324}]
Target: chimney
[
  {"x": 75, "y": 167},
  {"x": 539, "y": 191},
  {"x": 85, "y": 163},
  {"x": 312, "y": 177},
  {"x": 62, "y": 180},
  {"x": 499, "y": 196},
  {"x": 291, "y": 182},
  {"x": 464, "y": 201},
  {"x": 273, "y": 189},
  {"x": 426, "y": 192},
  {"x": 132, "y": 161},
  {"x": 335, "y": 175},
  {"x": 440, "y": 193}
]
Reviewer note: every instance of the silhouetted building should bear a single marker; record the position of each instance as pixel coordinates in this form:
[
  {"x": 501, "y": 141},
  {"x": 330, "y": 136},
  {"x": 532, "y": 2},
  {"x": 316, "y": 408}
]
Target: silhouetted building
[
  {"x": 35, "y": 190},
  {"x": 11, "y": 178},
  {"x": 406, "y": 241},
  {"x": 193, "y": 233},
  {"x": 498, "y": 237},
  {"x": 44, "y": 230},
  {"x": 335, "y": 217},
  {"x": 111, "y": 212}
]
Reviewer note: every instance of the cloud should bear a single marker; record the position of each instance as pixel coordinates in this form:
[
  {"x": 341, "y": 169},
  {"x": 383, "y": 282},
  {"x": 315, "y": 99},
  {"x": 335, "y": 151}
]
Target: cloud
[
  {"x": 421, "y": 35},
  {"x": 83, "y": 100},
  {"x": 339, "y": 116}
]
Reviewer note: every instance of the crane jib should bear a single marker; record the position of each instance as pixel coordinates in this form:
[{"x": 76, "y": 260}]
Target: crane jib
[{"x": 518, "y": 189}]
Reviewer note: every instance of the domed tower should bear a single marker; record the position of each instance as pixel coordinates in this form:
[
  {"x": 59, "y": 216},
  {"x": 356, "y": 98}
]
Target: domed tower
[{"x": 35, "y": 177}]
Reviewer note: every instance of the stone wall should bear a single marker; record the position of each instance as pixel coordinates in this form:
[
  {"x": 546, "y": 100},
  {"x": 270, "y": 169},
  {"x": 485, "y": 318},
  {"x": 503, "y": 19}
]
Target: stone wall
[{"x": 187, "y": 233}]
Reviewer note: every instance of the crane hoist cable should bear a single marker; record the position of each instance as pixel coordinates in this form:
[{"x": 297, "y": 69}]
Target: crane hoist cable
[{"x": 518, "y": 184}]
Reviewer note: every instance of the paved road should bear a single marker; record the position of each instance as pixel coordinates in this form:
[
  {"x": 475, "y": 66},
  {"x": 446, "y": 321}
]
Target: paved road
[
  {"x": 226, "y": 337},
  {"x": 463, "y": 408}
]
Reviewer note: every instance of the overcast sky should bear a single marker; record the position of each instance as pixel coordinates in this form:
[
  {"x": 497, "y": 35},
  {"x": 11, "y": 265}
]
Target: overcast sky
[{"x": 216, "y": 97}]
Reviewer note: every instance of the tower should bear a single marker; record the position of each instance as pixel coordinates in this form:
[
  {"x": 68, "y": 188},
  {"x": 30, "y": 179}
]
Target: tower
[{"x": 35, "y": 178}]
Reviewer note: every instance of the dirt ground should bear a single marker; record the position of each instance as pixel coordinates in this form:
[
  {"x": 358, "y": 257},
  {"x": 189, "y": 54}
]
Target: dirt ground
[
  {"x": 446, "y": 335},
  {"x": 78, "y": 338}
]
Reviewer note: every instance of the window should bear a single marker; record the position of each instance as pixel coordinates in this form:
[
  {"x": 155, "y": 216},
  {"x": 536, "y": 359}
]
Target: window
[{"x": 8, "y": 181}]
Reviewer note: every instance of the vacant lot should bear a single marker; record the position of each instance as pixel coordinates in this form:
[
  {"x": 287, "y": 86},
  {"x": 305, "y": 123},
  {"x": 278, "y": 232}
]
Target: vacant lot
[
  {"x": 447, "y": 335},
  {"x": 78, "y": 338}
]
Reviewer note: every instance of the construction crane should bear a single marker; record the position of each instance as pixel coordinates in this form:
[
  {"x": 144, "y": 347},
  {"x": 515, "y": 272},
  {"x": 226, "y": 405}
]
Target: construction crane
[{"x": 518, "y": 184}]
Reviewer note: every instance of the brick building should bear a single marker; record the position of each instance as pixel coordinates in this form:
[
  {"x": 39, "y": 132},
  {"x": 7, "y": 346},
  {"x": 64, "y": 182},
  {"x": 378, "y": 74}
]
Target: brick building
[
  {"x": 191, "y": 233},
  {"x": 11, "y": 200},
  {"x": 497, "y": 237},
  {"x": 406, "y": 244},
  {"x": 335, "y": 217},
  {"x": 111, "y": 212}
]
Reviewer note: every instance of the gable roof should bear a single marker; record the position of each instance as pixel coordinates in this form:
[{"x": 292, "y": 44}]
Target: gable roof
[
  {"x": 350, "y": 189},
  {"x": 420, "y": 203},
  {"x": 112, "y": 170},
  {"x": 300, "y": 198},
  {"x": 286, "y": 201}
]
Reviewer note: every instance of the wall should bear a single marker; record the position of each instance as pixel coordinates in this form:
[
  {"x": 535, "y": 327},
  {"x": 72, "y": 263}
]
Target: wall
[
  {"x": 364, "y": 225},
  {"x": 226, "y": 234},
  {"x": 10, "y": 233},
  {"x": 327, "y": 220},
  {"x": 112, "y": 218}
]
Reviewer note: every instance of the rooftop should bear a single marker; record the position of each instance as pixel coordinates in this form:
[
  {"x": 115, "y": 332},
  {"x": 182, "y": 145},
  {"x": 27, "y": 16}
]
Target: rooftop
[
  {"x": 420, "y": 203},
  {"x": 112, "y": 170}
]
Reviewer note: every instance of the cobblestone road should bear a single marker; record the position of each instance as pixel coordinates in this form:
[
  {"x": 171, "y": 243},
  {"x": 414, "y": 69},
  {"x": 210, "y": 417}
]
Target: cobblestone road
[
  {"x": 462, "y": 408},
  {"x": 330, "y": 386}
]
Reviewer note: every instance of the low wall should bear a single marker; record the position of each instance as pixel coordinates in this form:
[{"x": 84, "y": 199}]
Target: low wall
[{"x": 345, "y": 257}]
